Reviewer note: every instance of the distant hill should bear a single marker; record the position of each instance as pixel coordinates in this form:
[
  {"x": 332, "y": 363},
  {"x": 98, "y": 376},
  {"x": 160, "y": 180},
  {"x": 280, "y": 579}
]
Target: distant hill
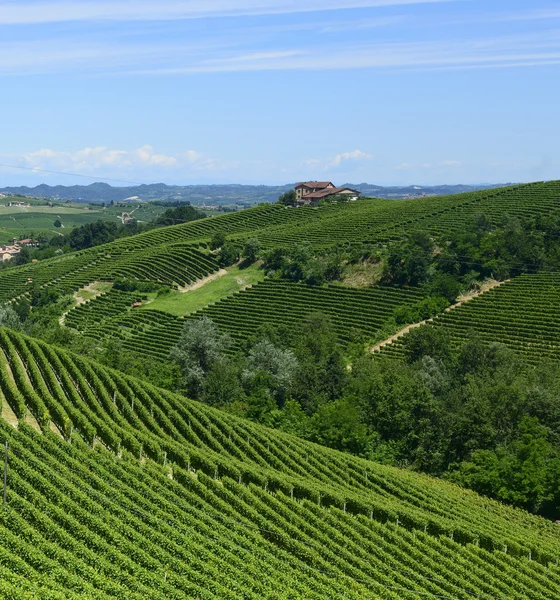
[{"x": 219, "y": 194}]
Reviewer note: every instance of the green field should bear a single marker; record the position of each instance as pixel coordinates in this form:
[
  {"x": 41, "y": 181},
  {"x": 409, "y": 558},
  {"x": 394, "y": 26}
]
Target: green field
[
  {"x": 522, "y": 313},
  {"x": 117, "y": 489},
  {"x": 178, "y": 255},
  {"x": 226, "y": 283},
  {"x": 39, "y": 218}
]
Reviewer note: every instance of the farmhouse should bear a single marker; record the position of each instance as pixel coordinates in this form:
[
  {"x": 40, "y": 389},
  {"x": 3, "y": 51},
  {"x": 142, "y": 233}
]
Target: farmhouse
[
  {"x": 28, "y": 243},
  {"x": 19, "y": 204},
  {"x": 311, "y": 192}
]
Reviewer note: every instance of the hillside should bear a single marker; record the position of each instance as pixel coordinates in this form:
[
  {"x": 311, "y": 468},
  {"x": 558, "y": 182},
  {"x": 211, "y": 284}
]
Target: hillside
[
  {"x": 179, "y": 254},
  {"x": 522, "y": 313},
  {"x": 277, "y": 303},
  {"x": 135, "y": 492}
]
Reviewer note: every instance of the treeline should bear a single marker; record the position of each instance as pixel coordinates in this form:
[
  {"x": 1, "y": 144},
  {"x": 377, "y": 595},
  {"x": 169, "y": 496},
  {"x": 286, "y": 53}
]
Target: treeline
[{"x": 102, "y": 232}]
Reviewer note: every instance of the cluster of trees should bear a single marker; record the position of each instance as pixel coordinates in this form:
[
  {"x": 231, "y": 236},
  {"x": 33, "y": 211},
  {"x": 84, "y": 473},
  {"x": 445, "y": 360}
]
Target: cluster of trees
[
  {"x": 102, "y": 231},
  {"x": 478, "y": 416},
  {"x": 302, "y": 262},
  {"x": 229, "y": 253},
  {"x": 483, "y": 250}
]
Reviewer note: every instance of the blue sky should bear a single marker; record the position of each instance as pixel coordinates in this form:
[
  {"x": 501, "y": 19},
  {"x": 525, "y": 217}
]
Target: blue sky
[{"x": 274, "y": 91}]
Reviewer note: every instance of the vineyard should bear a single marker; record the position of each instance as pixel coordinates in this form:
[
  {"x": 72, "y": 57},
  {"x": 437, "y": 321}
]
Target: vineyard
[
  {"x": 523, "y": 313},
  {"x": 117, "y": 489},
  {"x": 354, "y": 313},
  {"x": 178, "y": 255}
]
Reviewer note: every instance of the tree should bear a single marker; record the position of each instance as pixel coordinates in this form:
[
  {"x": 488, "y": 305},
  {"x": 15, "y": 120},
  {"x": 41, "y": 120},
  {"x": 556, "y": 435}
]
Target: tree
[
  {"x": 229, "y": 254},
  {"x": 521, "y": 473},
  {"x": 288, "y": 199},
  {"x": 321, "y": 374},
  {"x": 22, "y": 257},
  {"x": 9, "y": 317},
  {"x": 200, "y": 346},
  {"x": 222, "y": 385},
  {"x": 443, "y": 285},
  {"x": 339, "y": 425},
  {"x": 280, "y": 365},
  {"x": 427, "y": 341},
  {"x": 251, "y": 250},
  {"x": 180, "y": 214},
  {"x": 57, "y": 223},
  {"x": 218, "y": 240}
]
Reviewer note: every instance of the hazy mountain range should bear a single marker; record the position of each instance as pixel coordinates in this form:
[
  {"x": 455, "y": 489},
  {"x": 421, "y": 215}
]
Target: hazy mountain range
[{"x": 217, "y": 194}]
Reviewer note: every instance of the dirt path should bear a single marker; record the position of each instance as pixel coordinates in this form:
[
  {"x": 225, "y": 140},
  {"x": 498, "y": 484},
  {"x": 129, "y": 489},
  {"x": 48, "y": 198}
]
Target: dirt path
[
  {"x": 8, "y": 414},
  {"x": 91, "y": 288},
  {"x": 198, "y": 284},
  {"x": 485, "y": 287}
]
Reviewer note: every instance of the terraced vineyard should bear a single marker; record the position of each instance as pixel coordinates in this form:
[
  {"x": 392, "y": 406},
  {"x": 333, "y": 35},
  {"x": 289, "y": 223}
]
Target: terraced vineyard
[
  {"x": 361, "y": 311},
  {"x": 178, "y": 254},
  {"x": 134, "y": 492},
  {"x": 523, "y": 313}
]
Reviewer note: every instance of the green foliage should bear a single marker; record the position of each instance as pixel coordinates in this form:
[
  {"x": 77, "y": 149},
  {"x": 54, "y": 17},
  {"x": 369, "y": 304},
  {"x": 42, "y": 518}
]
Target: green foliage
[
  {"x": 524, "y": 472},
  {"x": 424, "y": 309},
  {"x": 228, "y": 255},
  {"x": 339, "y": 425},
  {"x": 321, "y": 374},
  {"x": 180, "y": 214},
  {"x": 288, "y": 198},
  {"x": 251, "y": 250},
  {"x": 9, "y": 317},
  {"x": 280, "y": 365},
  {"x": 200, "y": 347},
  {"x": 222, "y": 385},
  {"x": 218, "y": 240},
  {"x": 427, "y": 341}
]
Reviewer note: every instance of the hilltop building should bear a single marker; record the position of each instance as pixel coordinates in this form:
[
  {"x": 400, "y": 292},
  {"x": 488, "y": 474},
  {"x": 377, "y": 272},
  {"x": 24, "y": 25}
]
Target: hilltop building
[
  {"x": 27, "y": 243},
  {"x": 311, "y": 192}
]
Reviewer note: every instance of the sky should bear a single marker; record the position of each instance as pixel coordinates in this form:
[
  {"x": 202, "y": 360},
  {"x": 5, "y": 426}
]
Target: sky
[{"x": 392, "y": 92}]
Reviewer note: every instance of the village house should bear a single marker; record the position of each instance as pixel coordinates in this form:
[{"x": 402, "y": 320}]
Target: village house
[
  {"x": 20, "y": 204},
  {"x": 8, "y": 252},
  {"x": 27, "y": 243},
  {"x": 311, "y": 192}
]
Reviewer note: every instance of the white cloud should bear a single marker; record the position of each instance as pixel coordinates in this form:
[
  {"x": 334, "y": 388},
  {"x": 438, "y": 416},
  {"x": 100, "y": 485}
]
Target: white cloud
[
  {"x": 451, "y": 163},
  {"x": 335, "y": 162},
  {"x": 101, "y": 159},
  {"x": 346, "y": 156},
  {"x": 25, "y": 12}
]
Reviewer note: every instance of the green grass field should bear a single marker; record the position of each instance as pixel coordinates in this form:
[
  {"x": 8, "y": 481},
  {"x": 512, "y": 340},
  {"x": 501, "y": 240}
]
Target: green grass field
[
  {"x": 181, "y": 303},
  {"x": 38, "y": 219}
]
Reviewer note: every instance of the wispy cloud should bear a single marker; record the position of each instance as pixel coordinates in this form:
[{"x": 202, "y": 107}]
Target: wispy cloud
[
  {"x": 336, "y": 162},
  {"x": 101, "y": 160},
  {"x": 534, "y": 15},
  {"x": 26, "y": 12},
  {"x": 227, "y": 56}
]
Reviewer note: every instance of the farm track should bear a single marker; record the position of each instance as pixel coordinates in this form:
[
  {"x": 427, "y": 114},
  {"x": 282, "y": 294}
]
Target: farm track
[{"x": 487, "y": 286}]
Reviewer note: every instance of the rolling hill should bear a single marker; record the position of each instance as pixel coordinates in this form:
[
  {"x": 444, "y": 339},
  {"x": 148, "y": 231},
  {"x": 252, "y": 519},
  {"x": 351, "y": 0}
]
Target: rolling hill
[
  {"x": 117, "y": 489},
  {"x": 521, "y": 313},
  {"x": 178, "y": 255}
]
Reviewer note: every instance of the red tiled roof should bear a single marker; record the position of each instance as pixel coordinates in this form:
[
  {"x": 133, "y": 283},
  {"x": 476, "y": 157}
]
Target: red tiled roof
[
  {"x": 328, "y": 192},
  {"x": 314, "y": 184}
]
